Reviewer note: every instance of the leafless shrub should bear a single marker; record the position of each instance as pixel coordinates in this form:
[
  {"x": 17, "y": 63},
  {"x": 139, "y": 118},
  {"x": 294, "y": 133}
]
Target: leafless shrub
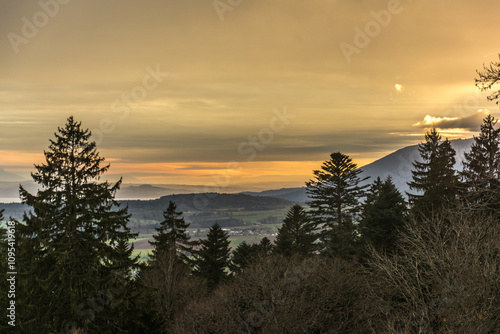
[
  {"x": 288, "y": 295},
  {"x": 445, "y": 277}
]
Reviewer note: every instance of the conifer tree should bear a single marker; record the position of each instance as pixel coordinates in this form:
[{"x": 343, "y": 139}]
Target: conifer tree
[
  {"x": 243, "y": 256},
  {"x": 434, "y": 177},
  {"x": 70, "y": 249},
  {"x": 265, "y": 247},
  {"x": 169, "y": 265},
  {"x": 481, "y": 171},
  {"x": 212, "y": 258},
  {"x": 172, "y": 236},
  {"x": 384, "y": 214},
  {"x": 296, "y": 235},
  {"x": 373, "y": 192},
  {"x": 335, "y": 203},
  {"x": 246, "y": 254}
]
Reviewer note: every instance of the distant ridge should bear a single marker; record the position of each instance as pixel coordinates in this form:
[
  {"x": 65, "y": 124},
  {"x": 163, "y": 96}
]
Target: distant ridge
[
  {"x": 9, "y": 177},
  {"x": 202, "y": 203},
  {"x": 296, "y": 195},
  {"x": 398, "y": 164},
  {"x": 211, "y": 201},
  {"x": 189, "y": 203},
  {"x": 143, "y": 191}
]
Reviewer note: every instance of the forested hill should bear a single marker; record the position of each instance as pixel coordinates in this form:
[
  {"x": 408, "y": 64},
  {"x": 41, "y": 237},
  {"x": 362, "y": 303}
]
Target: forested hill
[
  {"x": 185, "y": 202},
  {"x": 209, "y": 201}
]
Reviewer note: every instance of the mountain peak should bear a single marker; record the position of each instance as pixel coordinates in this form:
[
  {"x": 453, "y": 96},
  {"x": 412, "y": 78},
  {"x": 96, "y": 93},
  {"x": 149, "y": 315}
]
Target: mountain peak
[{"x": 9, "y": 177}]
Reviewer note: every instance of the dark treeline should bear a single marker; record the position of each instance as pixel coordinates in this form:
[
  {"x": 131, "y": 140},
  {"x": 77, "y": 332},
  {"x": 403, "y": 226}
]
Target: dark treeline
[
  {"x": 357, "y": 259},
  {"x": 207, "y": 201}
]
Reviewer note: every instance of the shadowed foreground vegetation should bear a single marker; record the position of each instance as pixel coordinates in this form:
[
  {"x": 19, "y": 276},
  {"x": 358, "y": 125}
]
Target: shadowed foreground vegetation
[{"x": 444, "y": 278}]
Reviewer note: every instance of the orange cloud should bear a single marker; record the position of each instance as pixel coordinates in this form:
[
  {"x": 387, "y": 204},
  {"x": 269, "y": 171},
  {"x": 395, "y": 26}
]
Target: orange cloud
[{"x": 18, "y": 158}]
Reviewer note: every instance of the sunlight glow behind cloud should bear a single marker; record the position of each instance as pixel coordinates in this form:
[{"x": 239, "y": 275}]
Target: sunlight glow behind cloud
[{"x": 432, "y": 121}]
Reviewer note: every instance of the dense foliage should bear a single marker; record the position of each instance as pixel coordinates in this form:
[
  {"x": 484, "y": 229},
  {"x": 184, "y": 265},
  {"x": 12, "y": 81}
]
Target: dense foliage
[
  {"x": 384, "y": 215},
  {"x": 481, "y": 172},
  {"x": 212, "y": 258},
  {"x": 297, "y": 234},
  {"x": 434, "y": 178},
  {"x": 73, "y": 245},
  {"x": 335, "y": 203},
  {"x": 171, "y": 236}
]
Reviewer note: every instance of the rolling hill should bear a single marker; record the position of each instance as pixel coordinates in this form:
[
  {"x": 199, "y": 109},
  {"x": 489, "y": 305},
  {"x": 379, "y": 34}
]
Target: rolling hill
[
  {"x": 296, "y": 195},
  {"x": 201, "y": 210},
  {"x": 206, "y": 201}
]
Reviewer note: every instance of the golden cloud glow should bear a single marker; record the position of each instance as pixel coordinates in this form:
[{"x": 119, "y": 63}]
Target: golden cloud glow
[
  {"x": 226, "y": 78},
  {"x": 431, "y": 120}
]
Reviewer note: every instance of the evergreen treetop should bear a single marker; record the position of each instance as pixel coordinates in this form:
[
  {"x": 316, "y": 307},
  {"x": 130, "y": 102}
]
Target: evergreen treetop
[
  {"x": 296, "y": 235},
  {"x": 335, "y": 192},
  {"x": 384, "y": 215},
  {"x": 435, "y": 177},
  {"x": 213, "y": 257},
  {"x": 335, "y": 203},
  {"x": 172, "y": 236},
  {"x": 481, "y": 171}
]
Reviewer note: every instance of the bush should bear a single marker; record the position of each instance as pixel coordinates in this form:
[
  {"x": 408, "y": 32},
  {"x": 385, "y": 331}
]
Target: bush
[
  {"x": 287, "y": 295},
  {"x": 445, "y": 277}
]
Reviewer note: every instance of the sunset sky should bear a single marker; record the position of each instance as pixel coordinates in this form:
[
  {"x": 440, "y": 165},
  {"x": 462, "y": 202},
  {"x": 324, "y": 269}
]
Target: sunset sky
[{"x": 242, "y": 93}]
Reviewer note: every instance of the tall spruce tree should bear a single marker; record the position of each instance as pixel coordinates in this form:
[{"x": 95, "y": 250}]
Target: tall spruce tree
[
  {"x": 172, "y": 236},
  {"x": 73, "y": 270},
  {"x": 212, "y": 259},
  {"x": 335, "y": 202},
  {"x": 384, "y": 214},
  {"x": 434, "y": 177},
  {"x": 296, "y": 235},
  {"x": 481, "y": 171}
]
